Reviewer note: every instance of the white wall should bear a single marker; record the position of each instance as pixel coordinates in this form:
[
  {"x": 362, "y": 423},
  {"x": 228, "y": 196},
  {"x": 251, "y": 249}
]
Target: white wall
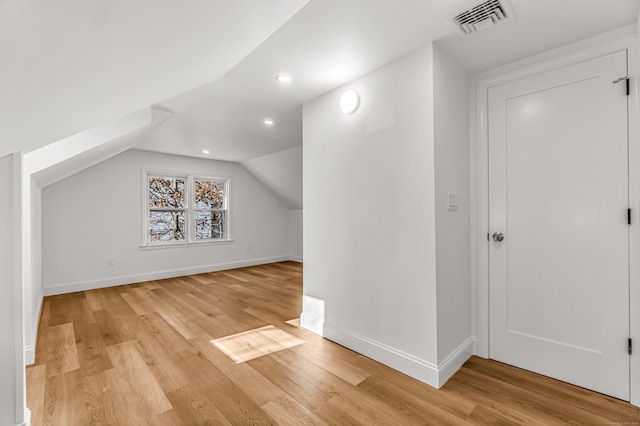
[
  {"x": 97, "y": 214},
  {"x": 295, "y": 235},
  {"x": 12, "y": 382},
  {"x": 453, "y": 257},
  {"x": 387, "y": 265},
  {"x": 281, "y": 172},
  {"x": 369, "y": 217}
]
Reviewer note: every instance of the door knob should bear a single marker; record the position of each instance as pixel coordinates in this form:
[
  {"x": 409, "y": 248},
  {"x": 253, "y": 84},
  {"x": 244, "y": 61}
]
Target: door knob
[{"x": 498, "y": 236}]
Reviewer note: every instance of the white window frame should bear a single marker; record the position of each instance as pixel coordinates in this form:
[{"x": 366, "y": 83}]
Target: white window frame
[
  {"x": 224, "y": 209},
  {"x": 189, "y": 209}
]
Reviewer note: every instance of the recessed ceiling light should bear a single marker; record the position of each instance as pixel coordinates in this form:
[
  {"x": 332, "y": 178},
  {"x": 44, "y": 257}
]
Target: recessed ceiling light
[
  {"x": 268, "y": 122},
  {"x": 205, "y": 151},
  {"x": 349, "y": 101},
  {"x": 283, "y": 78}
]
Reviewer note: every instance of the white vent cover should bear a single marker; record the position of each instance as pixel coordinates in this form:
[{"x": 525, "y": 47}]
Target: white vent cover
[{"x": 481, "y": 15}]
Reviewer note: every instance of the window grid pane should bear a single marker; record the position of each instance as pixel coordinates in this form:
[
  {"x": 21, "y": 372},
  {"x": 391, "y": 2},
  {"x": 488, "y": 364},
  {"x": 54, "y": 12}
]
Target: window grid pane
[
  {"x": 170, "y": 217},
  {"x": 210, "y": 224},
  {"x": 209, "y": 194},
  {"x": 167, "y": 226},
  {"x": 166, "y": 192}
]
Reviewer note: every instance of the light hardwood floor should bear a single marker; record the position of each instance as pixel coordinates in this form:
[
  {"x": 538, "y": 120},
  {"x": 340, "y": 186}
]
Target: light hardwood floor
[{"x": 225, "y": 348}]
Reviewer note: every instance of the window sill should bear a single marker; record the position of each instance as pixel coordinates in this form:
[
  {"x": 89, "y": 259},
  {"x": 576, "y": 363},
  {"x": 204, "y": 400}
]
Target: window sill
[{"x": 184, "y": 244}]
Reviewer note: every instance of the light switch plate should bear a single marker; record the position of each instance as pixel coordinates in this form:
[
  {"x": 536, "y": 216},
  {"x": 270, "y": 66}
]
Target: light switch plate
[{"x": 452, "y": 202}]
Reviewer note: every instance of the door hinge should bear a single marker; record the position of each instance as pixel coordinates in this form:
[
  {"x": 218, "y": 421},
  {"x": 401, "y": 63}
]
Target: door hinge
[
  {"x": 628, "y": 216},
  {"x": 630, "y": 348},
  {"x": 626, "y": 82},
  {"x": 628, "y": 86},
  {"x": 488, "y": 238}
]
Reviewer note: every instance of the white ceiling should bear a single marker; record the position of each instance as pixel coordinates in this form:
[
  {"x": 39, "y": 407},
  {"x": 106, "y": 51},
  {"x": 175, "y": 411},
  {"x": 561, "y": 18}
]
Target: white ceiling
[
  {"x": 331, "y": 42},
  {"x": 325, "y": 45},
  {"x": 209, "y": 65},
  {"x": 69, "y": 65},
  {"x": 539, "y": 26}
]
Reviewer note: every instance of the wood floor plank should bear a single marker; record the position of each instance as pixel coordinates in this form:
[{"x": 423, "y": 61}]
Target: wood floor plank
[
  {"x": 138, "y": 300},
  {"x": 343, "y": 394},
  {"x": 341, "y": 368},
  {"x": 286, "y": 411},
  {"x": 36, "y": 377},
  {"x": 419, "y": 410},
  {"x": 189, "y": 403},
  {"x": 176, "y": 313},
  {"x": 166, "y": 335},
  {"x": 308, "y": 395},
  {"x": 91, "y": 348},
  {"x": 138, "y": 392},
  {"x": 58, "y": 349},
  {"x": 146, "y": 354},
  {"x": 236, "y": 406},
  {"x": 579, "y": 398},
  {"x": 517, "y": 400},
  {"x": 175, "y": 418},
  {"x": 101, "y": 401},
  {"x": 163, "y": 365},
  {"x": 251, "y": 382},
  {"x": 68, "y": 309},
  {"x": 64, "y": 400},
  {"x": 114, "y": 330},
  {"x": 46, "y": 313}
]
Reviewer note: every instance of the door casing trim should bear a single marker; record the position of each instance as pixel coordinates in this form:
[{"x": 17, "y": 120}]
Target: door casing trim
[{"x": 480, "y": 190}]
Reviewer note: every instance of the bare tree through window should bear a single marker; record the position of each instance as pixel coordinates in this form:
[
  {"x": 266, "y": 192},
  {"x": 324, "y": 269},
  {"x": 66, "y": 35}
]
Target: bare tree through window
[
  {"x": 186, "y": 209},
  {"x": 210, "y": 209},
  {"x": 167, "y": 208}
]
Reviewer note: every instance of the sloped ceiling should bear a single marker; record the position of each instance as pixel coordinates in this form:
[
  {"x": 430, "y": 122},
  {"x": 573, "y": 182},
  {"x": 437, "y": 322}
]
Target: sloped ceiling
[
  {"x": 68, "y": 65},
  {"x": 281, "y": 173},
  {"x": 331, "y": 42},
  {"x": 327, "y": 44},
  {"x": 210, "y": 65},
  {"x": 93, "y": 146}
]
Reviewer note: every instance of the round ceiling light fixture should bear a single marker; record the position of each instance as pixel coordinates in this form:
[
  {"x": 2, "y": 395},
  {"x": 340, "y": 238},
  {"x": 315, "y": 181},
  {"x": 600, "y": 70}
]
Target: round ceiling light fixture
[
  {"x": 268, "y": 122},
  {"x": 349, "y": 101},
  {"x": 205, "y": 151},
  {"x": 283, "y": 78}
]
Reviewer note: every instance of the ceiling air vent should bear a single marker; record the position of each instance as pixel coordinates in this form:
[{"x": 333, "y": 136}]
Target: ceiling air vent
[{"x": 481, "y": 15}]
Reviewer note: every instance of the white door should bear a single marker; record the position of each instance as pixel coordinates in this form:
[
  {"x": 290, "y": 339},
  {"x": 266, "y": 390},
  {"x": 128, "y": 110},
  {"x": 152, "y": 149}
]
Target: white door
[{"x": 558, "y": 192}]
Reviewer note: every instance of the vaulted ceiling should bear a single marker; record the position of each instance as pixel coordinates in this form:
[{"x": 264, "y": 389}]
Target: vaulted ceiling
[{"x": 208, "y": 67}]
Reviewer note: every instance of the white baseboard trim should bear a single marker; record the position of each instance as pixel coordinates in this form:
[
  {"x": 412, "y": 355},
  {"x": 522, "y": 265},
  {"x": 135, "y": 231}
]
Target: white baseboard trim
[
  {"x": 29, "y": 354},
  {"x": 64, "y": 288},
  {"x": 30, "y": 349},
  {"x": 475, "y": 345},
  {"x": 408, "y": 364},
  {"x": 295, "y": 258},
  {"x": 420, "y": 369},
  {"x": 312, "y": 317},
  {"x": 27, "y": 418},
  {"x": 314, "y": 325},
  {"x": 454, "y": 361}
]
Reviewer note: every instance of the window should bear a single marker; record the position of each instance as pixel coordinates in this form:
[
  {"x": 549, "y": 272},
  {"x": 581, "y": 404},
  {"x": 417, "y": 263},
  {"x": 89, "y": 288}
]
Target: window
[
  {"x": 210, "y": 209},
  {"x": 167, "y": 209},
  {"x": 185, "y": 209}
]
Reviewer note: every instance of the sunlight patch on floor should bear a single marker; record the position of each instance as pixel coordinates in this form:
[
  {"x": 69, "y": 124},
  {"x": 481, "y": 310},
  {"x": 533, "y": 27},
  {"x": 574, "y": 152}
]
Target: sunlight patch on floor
[
  {"x": 255, "y": 343},
  {"x": 294, "y": 322}
]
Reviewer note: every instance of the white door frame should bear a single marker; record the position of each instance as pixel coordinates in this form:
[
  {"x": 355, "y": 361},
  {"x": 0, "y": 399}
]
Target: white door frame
[{"x": 480, "y": 192}]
